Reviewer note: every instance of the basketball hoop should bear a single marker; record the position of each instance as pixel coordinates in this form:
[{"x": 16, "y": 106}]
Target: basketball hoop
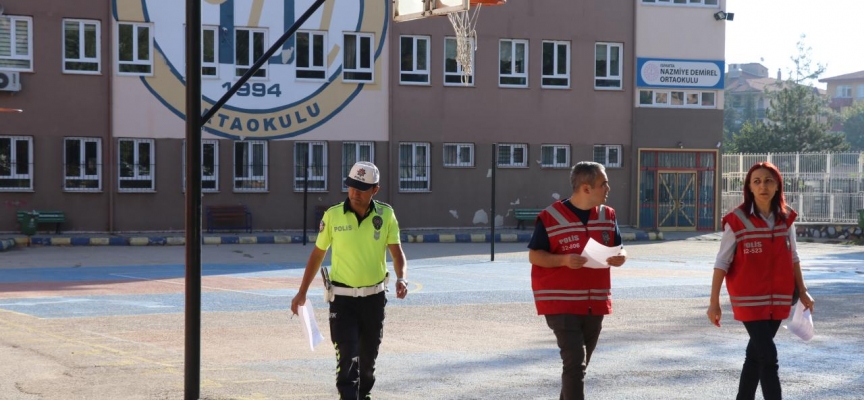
[{"x": 465, "y": 24}]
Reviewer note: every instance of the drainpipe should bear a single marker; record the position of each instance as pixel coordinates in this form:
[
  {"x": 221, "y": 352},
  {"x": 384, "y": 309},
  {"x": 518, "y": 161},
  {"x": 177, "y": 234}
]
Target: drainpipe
[
  {"x": 634, "y": 152},
  {"x": 110, "y": 142}
]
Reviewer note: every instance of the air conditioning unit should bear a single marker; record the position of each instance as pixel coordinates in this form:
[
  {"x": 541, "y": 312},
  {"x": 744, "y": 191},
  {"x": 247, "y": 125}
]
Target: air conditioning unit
[{"x": 10, "y": 81}]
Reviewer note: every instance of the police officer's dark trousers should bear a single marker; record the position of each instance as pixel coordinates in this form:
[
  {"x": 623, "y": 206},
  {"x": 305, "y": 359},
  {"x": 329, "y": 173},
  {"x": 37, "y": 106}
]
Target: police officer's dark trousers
[
  {"x": 356, "y": 328},
  {"x": 577, "y": 337},
  {"x": 760, "y": 364}
]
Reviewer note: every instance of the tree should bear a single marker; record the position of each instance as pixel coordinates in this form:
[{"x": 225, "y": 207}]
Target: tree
[
  {"x": 853, "y": 126},
  {"x": 798, "y": 120}
]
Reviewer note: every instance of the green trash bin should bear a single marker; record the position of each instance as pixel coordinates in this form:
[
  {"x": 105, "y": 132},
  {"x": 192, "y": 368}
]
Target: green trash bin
[
  {"x": 861, "y": 218},
  {"x": 28, "y": 225}
]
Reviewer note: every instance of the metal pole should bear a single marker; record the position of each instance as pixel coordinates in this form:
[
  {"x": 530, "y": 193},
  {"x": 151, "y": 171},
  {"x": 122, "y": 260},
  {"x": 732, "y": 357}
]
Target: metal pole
[
  {"x": 192, "y": 365},
  {"x": 494, "y": 167},
  {"x": 266, "y": 57},
  {"x": 192, "y": 375},
  {"x": 305, "y": 191}
]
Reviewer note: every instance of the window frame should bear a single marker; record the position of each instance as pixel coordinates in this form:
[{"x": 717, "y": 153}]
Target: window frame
[
  {"x": 555, "y": 148},
  {"x": 261, "y": 74},
  {"x": 135, "y": 51},
  {"x": 408, "y": 173},
  {"x": 298, "y": 166},
  {"x": 608, "y": 76},
  {"x": 97, "y": 60},
  {"x": 215, "y": 63},
  {"x": 555, "y": 74},
  {"x": 844, "y": 91},
  {"x": 668, "y": 95},
  {"x": 511, "y": 163},
  {"x": 136, "y": 163},
  {"x": 13, "y": 54},
  {"x": 457, "y": 147},
  {"x": 356, "y": 156},
  {"x": 82, "y": 176},
  {"x": 311, "y": 57},
  {"x": 415, "y": 55},
  {"x": 607, "y": 148},
  {"x": 448, "y": 74},
  {"x": 513, "y": 75},
  {"x": 13, "y": 164},
  {"x": 262, "y": 179},
  {"x": 214, "y": 177},
  {"x": 358, "y": 54}
]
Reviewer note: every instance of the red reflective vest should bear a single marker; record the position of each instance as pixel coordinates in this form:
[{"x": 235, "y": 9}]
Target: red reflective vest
[
  {"x": 761, "y": 278},
  {"x": 580, "y": 291}
]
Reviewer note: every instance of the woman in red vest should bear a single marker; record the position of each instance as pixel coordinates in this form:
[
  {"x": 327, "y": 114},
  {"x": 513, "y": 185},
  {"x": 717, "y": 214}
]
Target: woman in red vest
[{"x": 759, "y": 261}]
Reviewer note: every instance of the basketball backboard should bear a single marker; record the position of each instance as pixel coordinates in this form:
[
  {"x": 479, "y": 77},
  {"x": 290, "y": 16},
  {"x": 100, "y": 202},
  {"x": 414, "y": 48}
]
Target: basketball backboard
[{"x": 406, "y": 10}]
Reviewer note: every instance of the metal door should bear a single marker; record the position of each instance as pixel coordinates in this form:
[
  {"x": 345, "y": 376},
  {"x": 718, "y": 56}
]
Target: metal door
[{"x": 676, "y": 206}]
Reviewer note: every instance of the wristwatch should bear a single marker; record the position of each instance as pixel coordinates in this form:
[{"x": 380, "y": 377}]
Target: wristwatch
[{"x": 403, "y": 280}]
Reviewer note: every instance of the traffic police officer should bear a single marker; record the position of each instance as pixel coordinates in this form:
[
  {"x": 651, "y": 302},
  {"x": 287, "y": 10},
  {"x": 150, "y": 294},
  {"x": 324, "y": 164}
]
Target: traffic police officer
[{"x": 360, "y": 230}]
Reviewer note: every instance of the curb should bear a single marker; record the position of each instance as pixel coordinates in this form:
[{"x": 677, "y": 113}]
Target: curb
[{"x": 282, "y": 239}]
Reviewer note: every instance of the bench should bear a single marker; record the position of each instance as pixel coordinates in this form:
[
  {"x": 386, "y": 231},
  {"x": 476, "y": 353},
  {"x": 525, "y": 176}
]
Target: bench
[
  {"x": 525, "y": 214},
  {"x": 228, "y": 217},
  {"x": 44, "y": 217}
]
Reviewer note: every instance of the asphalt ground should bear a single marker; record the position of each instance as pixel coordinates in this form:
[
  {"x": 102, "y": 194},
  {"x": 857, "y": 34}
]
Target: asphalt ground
[{"x": 108, "y": 323}]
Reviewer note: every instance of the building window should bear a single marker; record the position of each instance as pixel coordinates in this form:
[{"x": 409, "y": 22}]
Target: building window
[
  {"x": 414, "y": 60},
  {"x": 555, "y": 156},
  {"x": 459, "y": 155},
  {"x": 16, "y": 43},
  {"x": 357, "y": 63},
  {"x": 82, "y": 164},
  {"x": 861, "y": 91},
  {"x": 556, "y": 65},
  {"x": 310, "y": 55},
  {"x": 249, "y": 46},
  {"x": 81, "y": 46},
  {"x": 513, "y": 59},
  {"x": 250, "y": 166},
  {"x": 607, "y": 61},
  {"x": 676, "y": 98},
  {"x": 709, "y": 3},
  {"x": 209, "y": 165},
  {"x": 608, "y": 155},
  {"x": 310, "y": 160},
  {"x": 512, "y": 155},
  {"x": 16, "y": 163},
  {"x": 353, "y": 152},
  {"x": 452, "y": 69},
  {"x": 414, "y": 167},
  {"x": 134, "y": 49},
  {"x": 844, "y": 91},
  {"x": 137, "y": 165},
  {"x": 210, "y": 51}
]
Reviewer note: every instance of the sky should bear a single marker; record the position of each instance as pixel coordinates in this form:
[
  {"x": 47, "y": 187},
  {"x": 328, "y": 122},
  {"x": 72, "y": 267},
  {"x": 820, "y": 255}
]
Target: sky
[{"x": 768, "y": 30}]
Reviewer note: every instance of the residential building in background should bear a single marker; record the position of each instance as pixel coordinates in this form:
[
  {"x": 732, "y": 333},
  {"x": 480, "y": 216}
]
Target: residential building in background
[{"x": 845, "y": 89}]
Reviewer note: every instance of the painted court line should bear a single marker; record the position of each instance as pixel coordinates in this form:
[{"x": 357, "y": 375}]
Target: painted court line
[{"x": 202, "y": 286}]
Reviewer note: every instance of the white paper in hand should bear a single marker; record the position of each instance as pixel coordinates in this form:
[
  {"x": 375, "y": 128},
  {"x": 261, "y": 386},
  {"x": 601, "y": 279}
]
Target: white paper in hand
[
  {"x": 597, "y": 254},
  {"x": 310, "y": 326},
  {"x": 802, "y": 322}
]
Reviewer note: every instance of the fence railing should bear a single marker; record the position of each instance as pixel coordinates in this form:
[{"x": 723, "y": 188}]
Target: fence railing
[{"x": 821, "y": 187}]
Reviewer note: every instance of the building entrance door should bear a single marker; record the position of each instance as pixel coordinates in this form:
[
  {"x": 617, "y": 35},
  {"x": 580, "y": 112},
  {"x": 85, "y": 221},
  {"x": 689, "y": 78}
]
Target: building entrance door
[{"x": 676, "y": 206}]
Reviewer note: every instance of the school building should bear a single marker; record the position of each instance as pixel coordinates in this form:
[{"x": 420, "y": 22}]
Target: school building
[{"x": 634, "y": 84}]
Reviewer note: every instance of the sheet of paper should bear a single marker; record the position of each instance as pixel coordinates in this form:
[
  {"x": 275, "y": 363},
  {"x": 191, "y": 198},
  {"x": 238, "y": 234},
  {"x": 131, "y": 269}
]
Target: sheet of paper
[
  {"x": 597, "y": 254},
  {"x": 802, "y": 322},
  {"x": 310, "y": 325}
]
